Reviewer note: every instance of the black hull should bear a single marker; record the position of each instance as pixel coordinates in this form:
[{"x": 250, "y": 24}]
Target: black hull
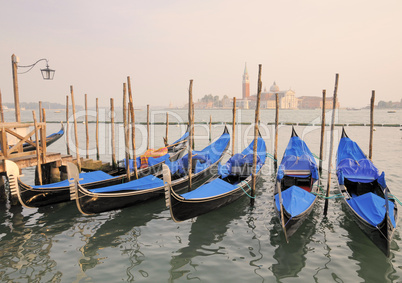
[
  {"x": 30, "y": 197},
  {"x": 91, "y": 203},
  {"x": 49, "y": 140},
  {"x": 382, "y": 235},
  {"x": 294, "y": 223},
  {"x": 182, "y": 209}
]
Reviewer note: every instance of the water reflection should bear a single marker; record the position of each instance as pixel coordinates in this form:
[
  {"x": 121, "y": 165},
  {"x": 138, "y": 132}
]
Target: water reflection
[
  {"x": 27, "y": 240},
  {"x": 120, "y": 227},
  {"x": 205, "y": 233},
  {"x": 291, "y": 257},
  {"x": 374, "y": 265}
]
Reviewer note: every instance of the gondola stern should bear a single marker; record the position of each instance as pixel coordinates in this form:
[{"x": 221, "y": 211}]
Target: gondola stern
[
  {"x": 294, "y": 134},
  {"x": 13, "y": 175},
  {"x": 167, "y": 182},
  {"x": 344, "y": 135}
]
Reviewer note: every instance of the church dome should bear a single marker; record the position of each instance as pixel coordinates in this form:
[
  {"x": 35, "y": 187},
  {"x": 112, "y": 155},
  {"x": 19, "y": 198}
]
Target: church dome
[{"x": 274, "y": 88}]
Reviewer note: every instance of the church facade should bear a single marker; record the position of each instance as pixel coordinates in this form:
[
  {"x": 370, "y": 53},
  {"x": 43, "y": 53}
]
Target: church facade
[{"x": 286, "y": 98}]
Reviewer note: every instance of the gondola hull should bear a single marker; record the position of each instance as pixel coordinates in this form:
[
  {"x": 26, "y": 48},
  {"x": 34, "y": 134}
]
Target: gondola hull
[
  {"x": 49, "y": 140},
  {"x": 365, "y": 194},
  {"x": 294, "y": 223},
  {"x": 183, "y": 209},
  {"x": 234, "y": 181},
  {"x": 296, "y": 176},
  {"x": 111, "y": 198},
  {"x": 381, "y": 235},
  {"x": 38, "y": 197},
  {"x": 90, "y": 203}
]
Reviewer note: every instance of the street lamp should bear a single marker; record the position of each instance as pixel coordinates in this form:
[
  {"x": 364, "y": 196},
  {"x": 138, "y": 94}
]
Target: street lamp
[{"x": 47, "y": 74}]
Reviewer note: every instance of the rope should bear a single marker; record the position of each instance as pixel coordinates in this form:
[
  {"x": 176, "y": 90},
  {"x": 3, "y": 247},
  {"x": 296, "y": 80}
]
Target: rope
[
  {"x": 288, "y": 221},
  {"x": 395, "y": 198},
  {"x": 271, "y": 156},
  {"x": 324, "y": 196},
  {"x": 241, "y": 187},
  {"x": 316, "y": 156}
]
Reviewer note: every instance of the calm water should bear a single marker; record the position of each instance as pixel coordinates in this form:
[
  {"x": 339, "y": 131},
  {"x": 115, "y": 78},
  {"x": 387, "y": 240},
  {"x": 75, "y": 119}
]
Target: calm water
[{"x": 237, "y": 243}]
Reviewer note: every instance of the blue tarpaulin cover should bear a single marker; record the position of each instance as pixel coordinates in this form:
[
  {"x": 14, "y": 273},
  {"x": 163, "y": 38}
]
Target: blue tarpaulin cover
[
  {"x": 88, "y": 177},
  {"x": 213, "y": 188},
  {"x": 295, "y": 200},
  {"x": 182, "y": 138},
  {"x": 371, "y": 207},
  {"x": 245, "y": 157},
  {"x": 151, "y": 161},
  {"x": 147, "y": 182},
  {"x": 219, "y": 186},
  {"x": 353, "y": 164},
  {"x": 207, "y": 156},
  {"x": 297, "y": 156}
]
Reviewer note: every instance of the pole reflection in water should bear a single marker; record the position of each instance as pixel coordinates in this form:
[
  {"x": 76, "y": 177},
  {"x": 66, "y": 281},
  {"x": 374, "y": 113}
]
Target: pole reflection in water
[
  {"x": 206, "y": 232},
  {"x": 121, "y": 230},
  {"x": 291, "y": 257},
  {"x": 27, "y": 238}
]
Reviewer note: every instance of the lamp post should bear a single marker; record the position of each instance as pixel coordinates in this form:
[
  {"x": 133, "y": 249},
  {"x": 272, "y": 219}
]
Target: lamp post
[{"x": 47, "y": 74}]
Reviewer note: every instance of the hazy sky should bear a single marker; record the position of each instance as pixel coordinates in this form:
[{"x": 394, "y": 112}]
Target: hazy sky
[{"x": 162, "y": 44}]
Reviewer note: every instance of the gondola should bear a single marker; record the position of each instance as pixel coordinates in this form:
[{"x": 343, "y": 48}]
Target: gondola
[
  {"x": 41, "y": 195},
  {"x": 118, "y": 196},
  {"x": 365, "y": 194},
  {"x": 234, "y": 181},
  {"x": 295, "y": 192},
  {"x": 49, "y": 140}
]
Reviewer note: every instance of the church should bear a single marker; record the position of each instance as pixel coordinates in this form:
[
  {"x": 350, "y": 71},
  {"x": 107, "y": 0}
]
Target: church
[{"x": 287, "y": 98}]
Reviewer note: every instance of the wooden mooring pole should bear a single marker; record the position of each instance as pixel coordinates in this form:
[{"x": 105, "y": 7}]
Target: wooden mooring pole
[
  {"x": 130, "y": 98},
  {"x": 210, "y": 128},
  {"x": 148, "y": 126},
  {"x": 1, "y": 110},
  {"x": 14, "y": 61},
  {"x": 191, "y": 133},
  {"x": 322, "y": 132},
  {"x": 331, "y": 144},
  {"x": 234, "y": 126},
  {"x": 276, "y": 130},
  {"x": 256, "y": 133},
  {"x": 371, "y": 124},
  {"x": 38, "y": 159},
  {"x": 126, "y": 134},
  {"x": 86, "y": 127},
  {"x": 40, "y": 111},
  {"x": 75, "y": 130},
  {"x": 97, "y": 130},
  {"x": 114, "y": 165},
  {"x": 167, "y": 129},
  {"x": 67, "y": 128}
]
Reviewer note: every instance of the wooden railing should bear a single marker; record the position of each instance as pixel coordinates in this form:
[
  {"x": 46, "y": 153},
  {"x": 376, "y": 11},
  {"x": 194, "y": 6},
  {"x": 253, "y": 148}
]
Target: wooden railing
[{"x": 9, "y": 131}]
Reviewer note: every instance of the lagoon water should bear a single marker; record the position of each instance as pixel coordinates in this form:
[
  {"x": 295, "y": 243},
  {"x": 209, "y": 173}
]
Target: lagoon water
[{"x": 238, "y": 243}]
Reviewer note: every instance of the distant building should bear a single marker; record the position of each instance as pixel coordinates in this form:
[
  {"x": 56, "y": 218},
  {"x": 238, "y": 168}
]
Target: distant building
[
  {"x": 315, "y": 102},
  {"x": 287, "y": 98}
]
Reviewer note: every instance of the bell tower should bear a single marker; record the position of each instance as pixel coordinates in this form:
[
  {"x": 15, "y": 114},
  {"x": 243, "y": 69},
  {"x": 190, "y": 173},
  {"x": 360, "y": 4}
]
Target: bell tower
[{"x": 246, "y": 83}]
